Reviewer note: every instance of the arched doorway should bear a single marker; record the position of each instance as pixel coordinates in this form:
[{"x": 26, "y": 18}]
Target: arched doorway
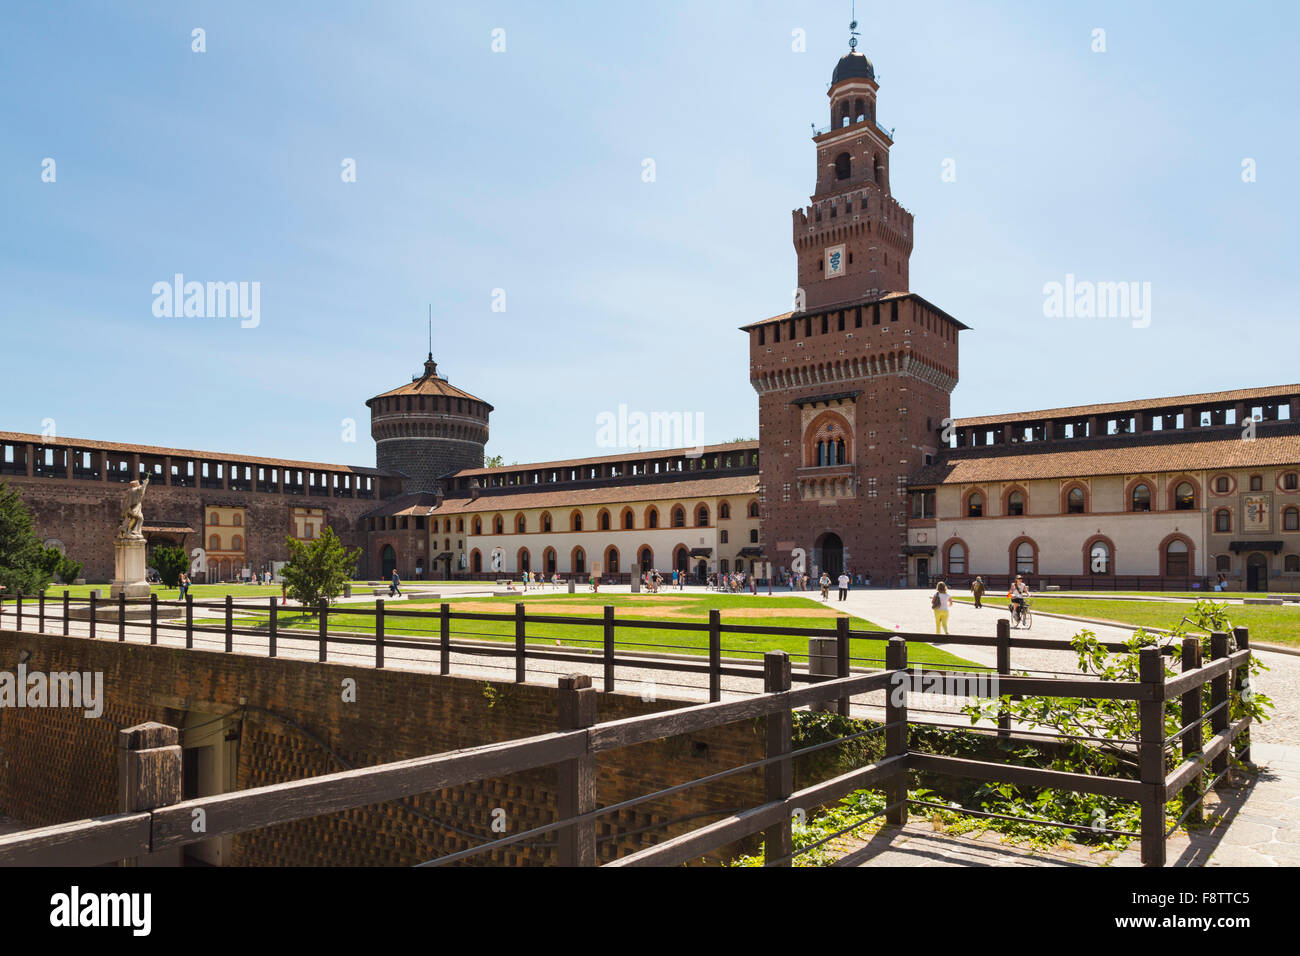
[
  {"x": 387, "y": 561},
  {"x": 829, "y": 554},
  {"x": 682, "y": 561},
  {"x": 647, "y": 559},
  {"x": 548, "y": 559},
  {"x": 1257, "y": 572},
  {"x": 476, "y": 562},
  {"x": 701, "y": 571},
  {"x": 525, "y": 560}
]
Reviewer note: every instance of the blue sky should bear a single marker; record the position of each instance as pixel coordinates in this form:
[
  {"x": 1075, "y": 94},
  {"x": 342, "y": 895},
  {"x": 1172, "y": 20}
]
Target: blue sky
[{"x": 522, "y": 171}]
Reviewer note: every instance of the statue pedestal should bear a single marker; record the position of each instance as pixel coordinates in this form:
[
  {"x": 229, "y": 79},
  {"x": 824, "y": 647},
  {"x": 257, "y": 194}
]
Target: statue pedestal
[{"x": 129, "y": 569}]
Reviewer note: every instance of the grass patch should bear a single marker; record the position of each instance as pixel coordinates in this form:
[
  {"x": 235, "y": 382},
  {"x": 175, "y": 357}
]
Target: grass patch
[
  {"x": 668, "y": 607},
  {"x": 1270, "y": 624}
]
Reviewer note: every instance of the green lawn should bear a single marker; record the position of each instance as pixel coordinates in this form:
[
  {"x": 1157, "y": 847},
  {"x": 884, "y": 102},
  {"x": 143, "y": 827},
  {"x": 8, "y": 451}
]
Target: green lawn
[
  {"x": 1196, "y": 595},
  {"x": 776, "y": 612},
  {"x": 1269, "y": 624}
]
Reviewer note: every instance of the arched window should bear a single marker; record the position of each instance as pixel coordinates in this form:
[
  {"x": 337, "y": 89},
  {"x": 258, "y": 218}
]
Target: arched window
[
  {"x": 546, "y": 521},
  {"x": 724, "y": 511},
  {"x": 859, "y": 110},
  {"x": 879, "y": 169},
  {"x": 1025, "y": 557},
  {"x": 579, "y": 561},
  {"x": 548, "y": 560},
  {"x": 753, "y": 509},
  {"x": 1291, "y": 519},
  {"x": 476, "y": 561},
  {"x": 1141, "y": 498},
  {"x": 652, "y": 518},
  {"x": 821, "y": 453},
  {"x": 1223, "y": 521},
  {"x": 604, "y": 520},
  {"x": 478, "y": 525},
  {"x": 525, "y": 560},
  {"x": 237, "y": 519},
  {"x": 839, "y": 451},
  {"x": 1222, "y": 484},
  {"x": 679, "y": 517},
  {"x": 611, "y": 561},
  {"x": 1223, "y": 563},
  {"x": 629, "y": 519},
  {"x": 498, "y": 525},
  {"x": 647, "y": 559},
  {"x": 1074, "y": 501},
  {"x": 1291, "y": 563},
  {"x": 521, "y": 524},
  {"x": 1184, "y": 497},
  {"x": 214, "y": 543},
  {"x": 975, "y": 505},
  {"x": 1176, "y": 559},
  {"x": 702, "y": 516},
  {"x": 214, "y": 519},
  {"x": 1099, "y": 558},
  {"x": 843, "y": 166},
  {"x": 1290, "y": 481},
  {"x": 1016, "y": 503},
  {"x": 236, "y": 543},
  {"x": 575, "y": 521},
  {"x": 956, "y": 558}
]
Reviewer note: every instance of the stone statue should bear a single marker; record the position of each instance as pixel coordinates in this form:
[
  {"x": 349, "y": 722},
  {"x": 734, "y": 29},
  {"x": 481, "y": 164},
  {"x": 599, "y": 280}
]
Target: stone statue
[{"x": 132, "y": 512}]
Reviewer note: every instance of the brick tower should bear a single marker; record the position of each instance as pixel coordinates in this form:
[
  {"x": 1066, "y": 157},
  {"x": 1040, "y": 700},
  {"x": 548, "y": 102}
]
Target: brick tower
[
  {"x": 854, "y": 384},
  {"x": 428, "y": 429}
]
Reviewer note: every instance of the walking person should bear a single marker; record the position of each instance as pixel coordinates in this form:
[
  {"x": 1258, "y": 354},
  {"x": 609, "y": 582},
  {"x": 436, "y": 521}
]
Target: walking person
[
  {"x": 844, "y": 585},
  {"x": 977, "y": 589},
  {"x": 395, "y": 586},
  {"x": 941, "y": 602}
]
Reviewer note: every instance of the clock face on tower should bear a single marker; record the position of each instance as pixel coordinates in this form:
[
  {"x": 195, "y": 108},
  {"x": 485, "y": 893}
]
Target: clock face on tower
[{"x": 835, "y": 261}]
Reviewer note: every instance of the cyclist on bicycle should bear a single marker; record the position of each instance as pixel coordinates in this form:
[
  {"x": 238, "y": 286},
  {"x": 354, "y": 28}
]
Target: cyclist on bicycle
[{"x": 1019, "y": 597}]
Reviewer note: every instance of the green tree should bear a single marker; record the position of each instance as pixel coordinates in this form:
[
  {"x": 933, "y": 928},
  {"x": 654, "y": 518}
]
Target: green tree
[
  {"x": 169, "y": 561},
  {"x": 318, "y": 569},
  {"x": 69, "y": 570},
  {"x": 23, "y": 559}
]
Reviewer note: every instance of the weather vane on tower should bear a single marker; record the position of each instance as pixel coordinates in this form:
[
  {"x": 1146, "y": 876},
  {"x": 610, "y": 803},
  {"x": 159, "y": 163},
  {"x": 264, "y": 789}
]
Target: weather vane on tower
[{"x": 853, "y": 29}]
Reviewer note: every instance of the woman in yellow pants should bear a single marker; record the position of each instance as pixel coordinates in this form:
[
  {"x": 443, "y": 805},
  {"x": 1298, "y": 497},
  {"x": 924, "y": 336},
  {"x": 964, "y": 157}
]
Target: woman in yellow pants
[{"x": 942, "y": 603}]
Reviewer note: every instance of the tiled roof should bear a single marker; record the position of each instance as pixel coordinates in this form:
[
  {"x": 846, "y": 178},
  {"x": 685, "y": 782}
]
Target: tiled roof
[
  {"x": 558, "y": 497},
  {"x": 419, "y": 503},
  {"x": 636, "y": 456},
  {"x": 221, "y": 457},
  {"x": 429, "y": 384},
  {"x": 1173, "y": 402},
  {"x": 1131, "y": 455}
]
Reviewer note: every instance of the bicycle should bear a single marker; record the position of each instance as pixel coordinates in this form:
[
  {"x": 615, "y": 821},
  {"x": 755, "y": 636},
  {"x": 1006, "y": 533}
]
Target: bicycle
[{"x": 1022, "y": 616}]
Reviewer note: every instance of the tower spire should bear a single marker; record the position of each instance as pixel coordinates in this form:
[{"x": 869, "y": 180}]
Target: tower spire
[
  {"x": 853, "y": 28},
  {"x": 430, "y": 366}
]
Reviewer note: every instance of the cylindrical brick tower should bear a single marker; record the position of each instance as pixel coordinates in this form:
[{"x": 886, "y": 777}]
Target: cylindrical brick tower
[{"x": 428, "y": 430}]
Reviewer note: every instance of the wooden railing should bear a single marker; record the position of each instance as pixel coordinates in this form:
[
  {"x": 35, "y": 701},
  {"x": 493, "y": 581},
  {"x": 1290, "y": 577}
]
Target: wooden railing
[{"x": 153, "y": 818}]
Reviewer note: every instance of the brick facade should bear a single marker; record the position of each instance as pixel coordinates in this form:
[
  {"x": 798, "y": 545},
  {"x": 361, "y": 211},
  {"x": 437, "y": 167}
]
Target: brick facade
[{"x": 290, "y": 722}]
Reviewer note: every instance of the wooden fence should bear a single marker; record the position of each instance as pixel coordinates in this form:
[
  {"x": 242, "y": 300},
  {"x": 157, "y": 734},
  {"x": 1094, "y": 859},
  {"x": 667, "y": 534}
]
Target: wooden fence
[{"x": 154, "y": 819}]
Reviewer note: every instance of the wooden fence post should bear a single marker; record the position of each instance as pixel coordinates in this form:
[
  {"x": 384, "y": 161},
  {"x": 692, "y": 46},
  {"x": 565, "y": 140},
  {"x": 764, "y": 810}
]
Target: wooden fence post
[
  {"x": 1220, "y": 719},
  {"x": 189, "y": 620},
  {"x": 40, "y": 613},
  {"x": 18, "y": 610},
  {"x": 379, "y": 633},
  {"x": 444, "y": 641},
  {"x": 715, "y": 655},
  {"x": 230, "y": 624},
  {"x": 121, "y": 615},
  {"x": 609, "y": 648},
  {"x": 842, "y": 658},
  {"x": 273, "y": 627},
  {"x": 323, "y": 610},
  {"x": 1242, "y": 636},
  {"x": 521, "y": 669},
  {"x": 1151, "y": 755},
  {"x": 66, "y": 602},
  {"x": 149, "y": 776},
  {"x": 778, "y": 778},
  {"x": 1193, "y": 740},
  {"x": 576, "y": 778},
  {"x": 896, "y": 726},
  {"x": 153, "y": 617},
  {"x": 92, "y": 608},
  {"x": 1004, "y": 670}
]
